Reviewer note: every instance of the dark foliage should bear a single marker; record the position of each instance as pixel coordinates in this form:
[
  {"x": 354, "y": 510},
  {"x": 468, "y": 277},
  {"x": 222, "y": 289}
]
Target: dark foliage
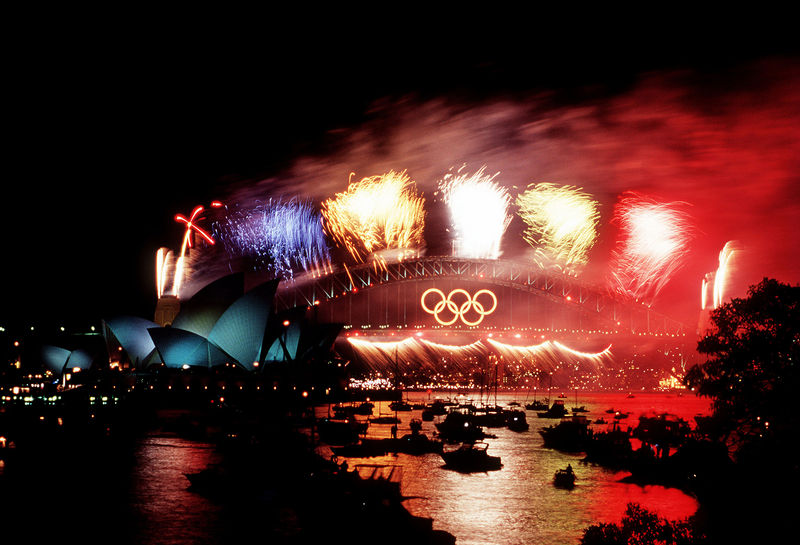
[
  {"x": 751, "y": 371},
  {"x": 643, "y": 527}
]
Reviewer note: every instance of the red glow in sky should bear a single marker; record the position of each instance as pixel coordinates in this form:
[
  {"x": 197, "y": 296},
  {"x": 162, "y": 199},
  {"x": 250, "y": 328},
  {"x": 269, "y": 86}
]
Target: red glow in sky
[{"x": 726, "y": 144}]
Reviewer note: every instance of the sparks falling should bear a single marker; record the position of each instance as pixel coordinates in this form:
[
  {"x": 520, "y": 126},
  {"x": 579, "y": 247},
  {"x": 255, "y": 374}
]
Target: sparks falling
[
  {"x": 385, "y": 357},
  {"x": 716, "y": 282},
  {"x": 723, "y": 271},
  {"x": 562, "y": 223},
  {"x": 279, "y": 236},
  {"x": 479, "y": 215},
  {"x": 382, "y": 212},
  {"x": 653, "y": 244}
]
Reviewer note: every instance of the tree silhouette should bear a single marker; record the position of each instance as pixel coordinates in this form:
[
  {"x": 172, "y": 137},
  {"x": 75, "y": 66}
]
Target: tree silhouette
[{"x": 751, "y": 372}]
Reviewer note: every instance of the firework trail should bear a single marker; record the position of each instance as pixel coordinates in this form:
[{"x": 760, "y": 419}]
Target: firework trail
[
  {"x": 561, "y": 223},
  {"x": 381, "y": 357},
  {"x": 722, "y": 276},
  {"x": 479, "y": 215},
  {"x": 165, "y": 258},
  {"x": 161, "y": 265},
  {"x": 653, "y": 244},
  {"x": 549, "y": 355},
  {"x": 384, "y": 357},
  {"x": 378, "y": 213},
  {"x": 280, "y": 236}
]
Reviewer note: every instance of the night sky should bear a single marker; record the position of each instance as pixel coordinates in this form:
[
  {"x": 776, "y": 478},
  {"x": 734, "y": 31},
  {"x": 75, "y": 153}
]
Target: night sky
[{"x": 111, "y": 133}]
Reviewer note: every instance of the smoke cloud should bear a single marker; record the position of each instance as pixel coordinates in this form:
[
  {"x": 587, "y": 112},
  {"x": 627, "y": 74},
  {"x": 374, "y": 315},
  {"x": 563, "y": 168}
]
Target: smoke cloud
[{"x": 726, "y": 143}]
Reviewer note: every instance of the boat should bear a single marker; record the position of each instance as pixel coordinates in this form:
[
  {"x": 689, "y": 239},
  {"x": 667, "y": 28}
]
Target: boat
[
  {"x": 569, "y": 435},
  {"x": 470, "y": 458},
  {"x": 366, "y": 448},
  {"x": 537, "y": 405},
  {"x": 564, "y": 478},
  {"x": 491, "y": 416},
  {"x": 576, "y": 408},
  {"x": 458, "y": 426},
  {"x": 340, "y": 432},
  {"x": 343, "y": 411},
  {"x": 415, "y": 442},
  {"x": 516, "y": 421},
  {"x": 557, "y": 410},
  {"x": 384, "y": 419},
  {"x": 437, "y": 408},
  {"x": 400, "y": 406},
  {"x": 540, "y": 405}
]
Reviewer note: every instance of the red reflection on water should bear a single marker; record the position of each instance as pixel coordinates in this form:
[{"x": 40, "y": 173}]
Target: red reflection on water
[{"x": 519, "y": 503}]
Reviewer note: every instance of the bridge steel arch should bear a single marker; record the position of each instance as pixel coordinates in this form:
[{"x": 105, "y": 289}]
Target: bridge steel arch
[{"x": 591, "y": 301}]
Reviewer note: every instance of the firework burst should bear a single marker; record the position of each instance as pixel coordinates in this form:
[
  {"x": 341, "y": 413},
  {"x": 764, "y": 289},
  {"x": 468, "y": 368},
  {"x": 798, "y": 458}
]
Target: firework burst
[
  {"x": 653, "y": 244},
  {"x": 377, "y": 213},
  {"x": 561, "y": 223},
  {"x": 478, "y": 213},
  {"x": 280, "y": 236}
]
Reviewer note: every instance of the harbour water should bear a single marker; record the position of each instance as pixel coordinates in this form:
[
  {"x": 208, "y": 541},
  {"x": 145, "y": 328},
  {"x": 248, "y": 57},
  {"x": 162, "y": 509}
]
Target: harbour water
[
  {"x": 142, "y": 496},
  {"x": 519, "y": 503}
]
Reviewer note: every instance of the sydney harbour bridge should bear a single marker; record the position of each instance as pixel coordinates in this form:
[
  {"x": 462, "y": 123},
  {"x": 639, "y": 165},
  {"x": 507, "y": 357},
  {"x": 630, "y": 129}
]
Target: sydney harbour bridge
[
  {"x": 461, "y": 314},
  {"x": 469, "y": 296}
]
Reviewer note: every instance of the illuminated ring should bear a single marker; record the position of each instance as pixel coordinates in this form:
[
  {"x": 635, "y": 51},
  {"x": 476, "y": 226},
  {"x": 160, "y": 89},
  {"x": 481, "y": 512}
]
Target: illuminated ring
[
  {"x": 439, "y": 307},
  {"x": 471, "y": 303},
  {"x": 478, "y": 307}
]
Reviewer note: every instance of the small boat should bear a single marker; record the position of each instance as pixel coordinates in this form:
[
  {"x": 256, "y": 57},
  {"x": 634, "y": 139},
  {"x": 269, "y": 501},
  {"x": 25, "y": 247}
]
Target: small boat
[
  {"x": 384, "y": 419},
  {"x": 537, "y": 406},
  {"x": 340, "y": 432},
  {"x": 366, "y": 448},
  {"x": 470, "y": 458},
  {"x": 459, "y": 426},
  {"x": 343, "y": 411},
  {"x": 558, "y": 410},
  {"x": 576, "y": 408},
  {"x": 491, "y": 416},
  {"x": 564, "y": 478},
  {"x": 400, "y": 406},
  {"x": 516, "y": 421},
  {"x": 570, "y": 435}
]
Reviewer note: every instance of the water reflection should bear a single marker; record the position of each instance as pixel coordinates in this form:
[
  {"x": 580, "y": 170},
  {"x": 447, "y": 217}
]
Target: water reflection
[
  {"x": 140, "y": 495},
  {"x": 519, "y": 504},
  {"x": 165, "y": 510}
]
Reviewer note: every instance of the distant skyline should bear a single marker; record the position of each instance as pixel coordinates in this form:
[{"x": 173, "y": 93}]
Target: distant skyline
[{"x": 107, "y": 149}]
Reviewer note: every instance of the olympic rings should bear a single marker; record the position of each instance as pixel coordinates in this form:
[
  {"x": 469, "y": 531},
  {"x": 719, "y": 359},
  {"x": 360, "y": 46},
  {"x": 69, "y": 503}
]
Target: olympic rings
[{"x": 458, "y": 311}]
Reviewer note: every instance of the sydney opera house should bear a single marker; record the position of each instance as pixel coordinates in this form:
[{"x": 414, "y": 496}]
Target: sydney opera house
[{"x": 221, "y": 325}]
